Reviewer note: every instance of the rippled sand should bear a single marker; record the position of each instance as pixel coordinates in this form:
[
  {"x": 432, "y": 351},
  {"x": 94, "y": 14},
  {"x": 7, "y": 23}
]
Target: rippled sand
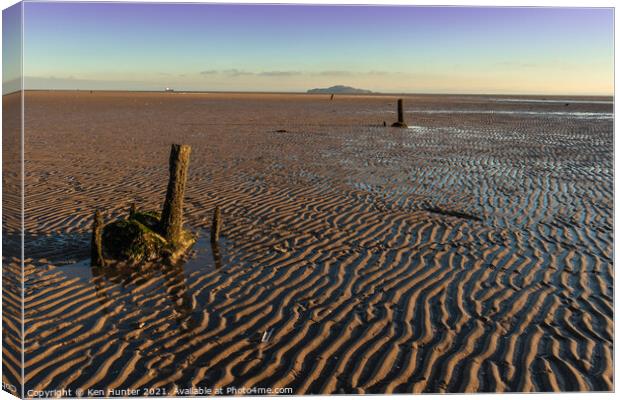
[{"x": 471, "y": 252}]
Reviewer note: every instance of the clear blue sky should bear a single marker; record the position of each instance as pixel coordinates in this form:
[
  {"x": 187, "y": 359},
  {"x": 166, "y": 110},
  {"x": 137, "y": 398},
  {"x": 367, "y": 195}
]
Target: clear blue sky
[{"x": 295, "y": 48}]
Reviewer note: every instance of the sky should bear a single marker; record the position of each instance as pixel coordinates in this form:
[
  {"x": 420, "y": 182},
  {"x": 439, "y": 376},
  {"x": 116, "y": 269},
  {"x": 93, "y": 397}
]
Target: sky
[{"x": 395, "y": 49}]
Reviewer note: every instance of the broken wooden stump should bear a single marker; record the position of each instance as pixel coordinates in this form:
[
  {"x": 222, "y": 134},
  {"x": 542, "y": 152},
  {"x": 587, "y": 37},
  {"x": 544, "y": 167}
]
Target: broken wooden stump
[
  {"x": 216, "y": 226},
  {"x": 401, "y": 118},
  {"x": 172, "y": 212},
  {"x": 148, "y": 235},
  {"x": 96, "y": 248}
]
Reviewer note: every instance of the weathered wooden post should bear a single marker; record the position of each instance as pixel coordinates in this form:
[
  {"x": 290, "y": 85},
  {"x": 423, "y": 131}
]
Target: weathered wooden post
[
  {"x": 172, "y": 213},
  {"x": 216, "y": 226},
  {"x": 96, "y": 251},
  {"x": 401, "y": 118}
]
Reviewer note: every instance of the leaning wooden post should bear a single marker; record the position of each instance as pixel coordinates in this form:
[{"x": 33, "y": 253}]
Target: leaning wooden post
[
  {"x": 216, "y": 226},
  {"x": 96, "y": 251},
  {"x": 172, "y": 213},
  {"x": 401, "y": 118}
]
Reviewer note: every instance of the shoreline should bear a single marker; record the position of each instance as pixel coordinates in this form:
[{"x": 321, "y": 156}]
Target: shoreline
[{"x": 549, "y": 97}]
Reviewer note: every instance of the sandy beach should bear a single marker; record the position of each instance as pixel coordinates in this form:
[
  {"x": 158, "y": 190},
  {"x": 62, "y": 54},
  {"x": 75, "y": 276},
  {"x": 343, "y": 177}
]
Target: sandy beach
[{"x": 471, "y": 252}]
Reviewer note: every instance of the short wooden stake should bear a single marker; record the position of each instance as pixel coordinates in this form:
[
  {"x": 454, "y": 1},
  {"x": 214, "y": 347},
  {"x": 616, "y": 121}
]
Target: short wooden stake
[
  {"x": 216, "y": 226},
  {"x": 96, "y": 250}
]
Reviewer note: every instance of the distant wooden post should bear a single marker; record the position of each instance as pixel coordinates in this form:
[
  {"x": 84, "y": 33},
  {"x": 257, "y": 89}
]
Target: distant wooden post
[
  {"x": 172, "y": 213},
  {"x": 332, "y": 97},
  {"x": 96, "y": 251},
  {"x": 401, "y": 118},
  {"x": 132, "y": 210},
  {"x": 216, "y": 226}
]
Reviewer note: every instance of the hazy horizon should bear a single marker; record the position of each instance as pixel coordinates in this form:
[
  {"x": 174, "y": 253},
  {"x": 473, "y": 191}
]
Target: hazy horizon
[
  {"x": 163, "y": 90},
  {"x": 293, "y": 48}
]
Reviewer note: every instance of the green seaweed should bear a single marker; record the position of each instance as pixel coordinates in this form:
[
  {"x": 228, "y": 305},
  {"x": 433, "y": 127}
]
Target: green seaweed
[
  {"x": 149, "y": 219},
  {"x": 139, "y": 239},
  {"x": 133, "y": 239}
]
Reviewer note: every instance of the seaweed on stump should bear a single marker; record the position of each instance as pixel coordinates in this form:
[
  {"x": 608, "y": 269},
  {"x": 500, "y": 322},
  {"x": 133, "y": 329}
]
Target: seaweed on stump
[
  {"x": 401, "y": 119},
  {"x": 135, "y": 239},
  {"x": 96, "y": 249},
  {"x": 216, "y": 225},
  {"x": 172, "y": 212}
]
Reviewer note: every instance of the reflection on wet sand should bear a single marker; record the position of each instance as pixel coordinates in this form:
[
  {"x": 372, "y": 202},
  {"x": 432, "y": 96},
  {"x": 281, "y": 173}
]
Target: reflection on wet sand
[
  {"x": 217, "y": 256},
  {"x": 173, "y": 277}
]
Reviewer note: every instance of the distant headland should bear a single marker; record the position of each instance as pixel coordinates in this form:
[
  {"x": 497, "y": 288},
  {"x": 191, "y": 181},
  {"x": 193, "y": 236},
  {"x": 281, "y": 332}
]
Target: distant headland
[{"x": 339, "y": 89}]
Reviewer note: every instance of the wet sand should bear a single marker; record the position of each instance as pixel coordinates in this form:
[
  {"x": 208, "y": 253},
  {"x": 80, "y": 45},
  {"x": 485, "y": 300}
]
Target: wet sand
[{"x": 470, "y": 252}]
